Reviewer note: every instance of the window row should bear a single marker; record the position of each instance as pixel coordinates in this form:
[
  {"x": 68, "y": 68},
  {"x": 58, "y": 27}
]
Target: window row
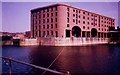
[
  {"x": 50, "y": 26},
  {"x": 45, "y": 15},
  {"x": 47, "y": 33},
  {"x": 45, "y": 21},
  {"x": 45, "y": 10}
]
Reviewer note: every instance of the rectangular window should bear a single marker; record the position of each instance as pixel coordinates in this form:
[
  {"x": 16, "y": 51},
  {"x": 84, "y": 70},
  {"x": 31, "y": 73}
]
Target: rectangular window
[
  {"x": 83, "y": 27},
  {"x": 67, "y": 25},
  {"x": 43, "y": 15},
  {"x": 88, "y": 23},
  {"x": 43, "y": 20},
  {"x": 43, "y": 26},
  {"x": 83, "y": 34},
  {"x": 52, "y": 9},
  {"x": 76, "y": 21},
  {"x": 68, "y": 20},
  {"x": 51, "y": 14},
  {"x": 56, "y": 25},
  {"x": 51, "y": 32},
  {"x": 47, "y": 26},
  {"x": 47, "y": 20},
  {"x": 51, "y": 20},
  {"x": 73, "y": 20},
  {"x": 51, "y": 25},
  {"x": 56, "y": 19},
  {"x": 67, "y": 9},
  {"x": 67, "y": 14},
  {"x": 83, "y": 22},
  {"x": 83, "y": 17},
  {"x": 56, "y": 32},
  {"x": 83, "y": 12},
  {"x": 47, "y": 15},
  {"x": 56, "y": 13},
  {"x": 73, "y": 15}
]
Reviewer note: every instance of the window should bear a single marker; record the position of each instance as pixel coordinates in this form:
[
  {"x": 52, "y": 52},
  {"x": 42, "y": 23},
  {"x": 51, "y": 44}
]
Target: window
[
  {"x": 76, "y": 21},
  {"x": 92, "y": 19},
  {"x": 39, "y": 16},
  {"x": 43, "y": 15},
  {"x": 56, "y": 19},
  {"x": 67, "y": 25},
  {"x": 51, "y": 32},
  {"x": 83, "y": 12},
  {"x": 83, "y": 17},
  {"x": 79, "y": 11},
  {"x": 88, "y": 18},
  {"x": 76, "y": 11},
  {"x": 83, "y": 27},
  {"x": 43, "y": 10},
  {"x": 47, "y": 15},
  {"x": 52, "y": 9},
  {"x": 79, "y": 16},
  {"x": 47, "y": 26},
  {"x": 83, "y": 22},
  {"x": 88, "y": 23},
  {"x": 88, "y": 27},
  {"x": 88, "y": 13},
  {"x": 43, "y": 26},
  {"x": 91, "y": 23},
  {"x": 56, "y": 25},
  {"x": 43, "y": 20},
  {"x": 47, "y": 20},
  {"x": 73, "y": 20},
  {"x": 51, "y": 20},
  {"x": 79, "y": 21},
  {"x": 56, "y": 32},
  {"x": 91, "y": 14},
  {"x": 73, "y": 15},
  {"x": 67, "y": 9},
  {"x": 51, "y": 25},
  {"x": 67, "y": 14},
  {"x": 56, "y": 13},
  {"x": 68, "y": 20},
  {"x": 51, "y": 14}
]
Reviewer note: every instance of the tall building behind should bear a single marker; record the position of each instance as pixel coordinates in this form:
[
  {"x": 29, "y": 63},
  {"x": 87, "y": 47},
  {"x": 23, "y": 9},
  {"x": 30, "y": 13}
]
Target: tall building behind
[{"x": 60, "y": 20}]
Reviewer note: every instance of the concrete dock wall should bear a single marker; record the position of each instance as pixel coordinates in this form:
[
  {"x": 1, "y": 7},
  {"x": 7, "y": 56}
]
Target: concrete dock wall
[{"x": 72, "y": 41}]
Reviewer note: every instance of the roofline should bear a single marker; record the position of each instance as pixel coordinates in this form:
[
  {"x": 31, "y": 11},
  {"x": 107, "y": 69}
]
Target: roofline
[{"x": 59, "y": 4}]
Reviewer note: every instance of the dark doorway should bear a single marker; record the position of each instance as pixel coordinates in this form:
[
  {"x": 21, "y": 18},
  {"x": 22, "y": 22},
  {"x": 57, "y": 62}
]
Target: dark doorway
[
  {"x": 76, "y": 31},
  {"x": 93, "y": 32},
  {"x": 67, "y": 33}
]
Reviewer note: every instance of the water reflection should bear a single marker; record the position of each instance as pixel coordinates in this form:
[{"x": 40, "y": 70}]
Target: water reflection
[{"x": 77, "y": 60}]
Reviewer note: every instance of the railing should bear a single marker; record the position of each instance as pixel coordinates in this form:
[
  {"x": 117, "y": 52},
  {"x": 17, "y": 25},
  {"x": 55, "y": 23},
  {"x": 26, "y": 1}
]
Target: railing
[{"x": 10, "y": 60}]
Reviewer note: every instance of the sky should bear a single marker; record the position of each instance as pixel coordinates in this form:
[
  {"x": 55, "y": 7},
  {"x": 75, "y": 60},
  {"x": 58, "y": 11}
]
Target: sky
[{"x": 16, "y": 15}]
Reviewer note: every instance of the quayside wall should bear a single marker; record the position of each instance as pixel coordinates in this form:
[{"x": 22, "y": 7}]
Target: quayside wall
[{"x": 64, "y": 41}]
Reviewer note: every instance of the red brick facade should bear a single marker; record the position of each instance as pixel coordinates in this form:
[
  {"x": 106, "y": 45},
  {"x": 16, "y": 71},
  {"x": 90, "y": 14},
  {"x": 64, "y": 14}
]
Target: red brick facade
[{"x": 60, "y": 20}]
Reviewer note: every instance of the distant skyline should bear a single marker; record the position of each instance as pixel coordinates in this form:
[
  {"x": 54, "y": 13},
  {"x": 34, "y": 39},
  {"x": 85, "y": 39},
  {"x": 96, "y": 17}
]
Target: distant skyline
[{"x": 16, "y": 15}]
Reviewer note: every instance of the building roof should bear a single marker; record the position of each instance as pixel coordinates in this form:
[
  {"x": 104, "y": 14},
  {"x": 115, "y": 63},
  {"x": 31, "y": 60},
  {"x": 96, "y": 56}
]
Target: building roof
[{"x": 59, "y": 4}]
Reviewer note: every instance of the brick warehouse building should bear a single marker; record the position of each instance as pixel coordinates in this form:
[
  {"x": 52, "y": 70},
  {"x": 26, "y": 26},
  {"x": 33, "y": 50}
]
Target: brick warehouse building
[{"x": 65, "y": 21}]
